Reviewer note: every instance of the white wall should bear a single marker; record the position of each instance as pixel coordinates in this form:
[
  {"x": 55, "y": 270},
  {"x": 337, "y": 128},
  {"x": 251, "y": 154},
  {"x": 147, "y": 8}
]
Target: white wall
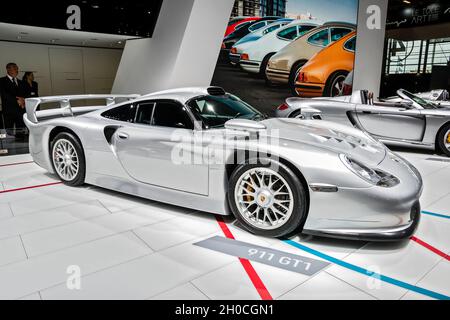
[
  {"x": 63, "y": 70},
  {"x": 182, "y": 52}
]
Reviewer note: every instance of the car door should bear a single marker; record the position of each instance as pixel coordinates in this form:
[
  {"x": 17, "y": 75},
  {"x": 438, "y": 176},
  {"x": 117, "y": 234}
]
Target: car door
[
  {"x": 157, "y": 149},
  {"x": 392, "y": 122}
]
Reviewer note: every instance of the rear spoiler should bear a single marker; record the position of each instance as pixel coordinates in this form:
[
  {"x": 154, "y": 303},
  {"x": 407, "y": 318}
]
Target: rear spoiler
[{"x": 65, "y": 107}]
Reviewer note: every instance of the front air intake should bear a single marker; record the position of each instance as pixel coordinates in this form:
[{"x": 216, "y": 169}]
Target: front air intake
[{"x": 216, "y": 91}]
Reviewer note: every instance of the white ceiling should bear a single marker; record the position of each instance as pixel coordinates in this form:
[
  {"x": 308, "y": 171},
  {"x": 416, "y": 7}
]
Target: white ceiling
[{"x": 19, "y": 33}]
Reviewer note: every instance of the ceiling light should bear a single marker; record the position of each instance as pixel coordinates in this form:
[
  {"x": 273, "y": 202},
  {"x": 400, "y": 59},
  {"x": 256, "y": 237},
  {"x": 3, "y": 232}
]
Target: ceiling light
[{"x": 406, "y": 1}]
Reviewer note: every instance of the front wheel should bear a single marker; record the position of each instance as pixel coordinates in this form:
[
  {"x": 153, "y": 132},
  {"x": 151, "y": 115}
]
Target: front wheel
[
  {"x": 68, "y": 159},
  {"x": 443, "y": 140},
  {"x": 267, "y": 200}
]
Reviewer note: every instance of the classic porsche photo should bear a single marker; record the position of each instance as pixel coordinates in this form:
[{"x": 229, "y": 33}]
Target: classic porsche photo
[
  {"x": 255, "y": 57},
  {"x": 314, "y": 177},
  {"x": 285, "y": 65},
  {"x": 407, "y": 120}
]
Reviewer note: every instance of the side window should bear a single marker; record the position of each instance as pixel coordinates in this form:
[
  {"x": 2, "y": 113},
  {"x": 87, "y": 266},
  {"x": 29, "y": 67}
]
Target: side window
[
  {"x": 171, "y": 114},
  {"x": 288, "y": 33},
  {"x": 145, "y": 112},
  {"x": 304, "y": 29},
  {"x": 272, "y": 28},
  {"x": 242, "y": 25},
  {"x": 125, "y": 113},
  {"x": 320, "y": 38},
  {"x": 337, "y": 33},
  {"x": 350, "y": 45},
  {"x": 257, "y": 26}
]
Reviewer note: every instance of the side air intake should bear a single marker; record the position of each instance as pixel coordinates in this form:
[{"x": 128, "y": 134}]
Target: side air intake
[{"x": 216, "y": 91}]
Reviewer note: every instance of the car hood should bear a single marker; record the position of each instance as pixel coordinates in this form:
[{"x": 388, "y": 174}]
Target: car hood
[{"x": 330, "y": 136}]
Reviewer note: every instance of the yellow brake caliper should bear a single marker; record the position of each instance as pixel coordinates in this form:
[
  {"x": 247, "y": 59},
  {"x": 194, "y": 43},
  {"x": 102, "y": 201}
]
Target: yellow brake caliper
[{"x": 448, "y": 138}]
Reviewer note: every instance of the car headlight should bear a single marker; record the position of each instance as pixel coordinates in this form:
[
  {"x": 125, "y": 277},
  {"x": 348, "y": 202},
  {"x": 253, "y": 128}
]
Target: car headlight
[{"x": 373, "y": 176}]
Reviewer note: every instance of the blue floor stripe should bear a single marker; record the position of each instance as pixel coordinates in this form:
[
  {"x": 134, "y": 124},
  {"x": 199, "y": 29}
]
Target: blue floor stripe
[
  {"x": 436, "y": 214},
  {"x": 368, "y": 273}
]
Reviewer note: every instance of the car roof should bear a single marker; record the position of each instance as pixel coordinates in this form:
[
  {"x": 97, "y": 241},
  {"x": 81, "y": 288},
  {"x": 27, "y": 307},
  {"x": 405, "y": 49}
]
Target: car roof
[
  {"x": 339, "y": 24},
  {"x": 301, "y": 21}
]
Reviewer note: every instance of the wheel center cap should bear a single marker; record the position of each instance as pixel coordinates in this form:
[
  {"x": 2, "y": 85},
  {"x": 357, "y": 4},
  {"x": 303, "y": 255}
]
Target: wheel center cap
[
  {"x": 264, "y": 198},
  {"x": 67, "y": 159}
]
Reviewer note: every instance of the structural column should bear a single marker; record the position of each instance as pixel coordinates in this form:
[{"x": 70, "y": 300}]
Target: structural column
[{"x": 370, "y": 45}]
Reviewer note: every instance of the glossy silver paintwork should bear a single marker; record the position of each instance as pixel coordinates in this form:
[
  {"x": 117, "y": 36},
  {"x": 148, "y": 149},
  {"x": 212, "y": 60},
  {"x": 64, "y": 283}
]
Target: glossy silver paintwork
[
  {"x": 137, "y": 160},
  {"x": 403, "y": 124}
]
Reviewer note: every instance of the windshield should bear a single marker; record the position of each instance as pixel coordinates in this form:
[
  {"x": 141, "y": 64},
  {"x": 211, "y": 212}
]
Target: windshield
[
  {"x": 214, "y": 111},
  {"x": 422, "y": 102}
]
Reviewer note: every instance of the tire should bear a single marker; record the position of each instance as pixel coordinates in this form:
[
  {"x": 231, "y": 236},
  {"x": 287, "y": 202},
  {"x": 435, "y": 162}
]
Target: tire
[
  {"x": 66, "y": 147},
  {"x": 293, "y": 75},
  {"x": 270, "y": 224},
  {"x": 263, "y": 67},
  {"x": 332, "y": 81},
  {"x": 442, "y": 140}
]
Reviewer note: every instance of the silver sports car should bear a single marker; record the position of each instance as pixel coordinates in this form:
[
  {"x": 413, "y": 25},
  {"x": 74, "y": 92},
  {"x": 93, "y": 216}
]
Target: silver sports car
[
  {"x": 205, "y": 149},
  {"x": 407, "y": 120}
]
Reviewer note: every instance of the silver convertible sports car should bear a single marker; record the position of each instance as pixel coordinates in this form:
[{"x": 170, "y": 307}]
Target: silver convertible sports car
[
  {"x": 205, "y": 149},
  {"x": 406, "y": 120}
]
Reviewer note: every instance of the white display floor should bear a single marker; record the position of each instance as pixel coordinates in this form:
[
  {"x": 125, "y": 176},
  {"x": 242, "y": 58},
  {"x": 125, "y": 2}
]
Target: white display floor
[{"x": 130, "y": 248}]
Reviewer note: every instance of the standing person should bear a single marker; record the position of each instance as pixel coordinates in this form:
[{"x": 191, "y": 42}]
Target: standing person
[
  {"x": 13, "y": 101},
  {"x": 30, "y": 86}
]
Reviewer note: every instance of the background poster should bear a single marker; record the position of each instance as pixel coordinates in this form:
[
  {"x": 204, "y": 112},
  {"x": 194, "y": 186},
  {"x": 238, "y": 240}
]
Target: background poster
[{"x": 269, "y": 42}]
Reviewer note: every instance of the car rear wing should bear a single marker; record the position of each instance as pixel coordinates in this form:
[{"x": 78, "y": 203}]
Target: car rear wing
[{"x": 65, "y": 107}]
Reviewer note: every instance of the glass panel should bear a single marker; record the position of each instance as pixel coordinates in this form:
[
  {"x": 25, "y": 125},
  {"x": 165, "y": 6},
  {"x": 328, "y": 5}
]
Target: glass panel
[
  {"x": 144, "y": 113},
  {"x": 124, "y": 113},
  {"x": 320, "y": 38},
  {"x": 304, "y": 29},
  {"x": 337, "y": 33},
  {"x": 350, "y": 44},
  {"x": 172, "y": 115},
  {"x": 288, "y": 33}
]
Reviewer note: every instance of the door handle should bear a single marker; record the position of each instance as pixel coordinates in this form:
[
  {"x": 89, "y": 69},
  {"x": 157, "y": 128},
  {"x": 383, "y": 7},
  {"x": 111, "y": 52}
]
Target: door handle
[
  {"x": 367, "y": 112},
  {"x": 123, "y": 136}
]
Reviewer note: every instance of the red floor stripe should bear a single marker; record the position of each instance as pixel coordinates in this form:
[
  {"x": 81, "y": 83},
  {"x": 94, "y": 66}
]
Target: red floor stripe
[
  {"x": 431, "y": 248},
  {"x": 32, "y": 187},
  {"x": 15, "y": 164},
  {"x": 251, "y": 272}
]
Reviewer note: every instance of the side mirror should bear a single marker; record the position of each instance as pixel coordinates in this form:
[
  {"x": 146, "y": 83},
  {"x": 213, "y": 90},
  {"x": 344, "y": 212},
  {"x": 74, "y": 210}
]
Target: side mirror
[{"x": 244, "y": 125}]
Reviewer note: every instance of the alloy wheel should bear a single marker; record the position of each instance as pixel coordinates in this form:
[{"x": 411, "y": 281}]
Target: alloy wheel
[
  {"x": 264, "y": 198},
  {"x": 337, "y": 87},
  {"x": 65, "y": 160}
]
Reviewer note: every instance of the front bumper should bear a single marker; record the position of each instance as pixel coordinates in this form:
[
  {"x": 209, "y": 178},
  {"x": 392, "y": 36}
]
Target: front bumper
[
  {"x": 385, "y": 234},
  {"x": 369, "y": 214}
]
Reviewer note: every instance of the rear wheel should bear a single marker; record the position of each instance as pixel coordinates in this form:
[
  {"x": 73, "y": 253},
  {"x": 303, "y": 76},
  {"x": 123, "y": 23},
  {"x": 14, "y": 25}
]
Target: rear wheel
[
  {"x": 293, "y": 76},
  {"x": 443, "y": 140},
  {"x": 263, "y": 67},
  {"x": 266, "y": 201},
  {"x": 335, "y": 84},
  {"x": 68, "y": 159}
]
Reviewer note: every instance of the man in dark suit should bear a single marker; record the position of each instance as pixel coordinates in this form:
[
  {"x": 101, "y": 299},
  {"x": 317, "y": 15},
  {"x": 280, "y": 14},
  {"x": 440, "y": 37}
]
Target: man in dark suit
[{"x": 13, "y": 102}]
